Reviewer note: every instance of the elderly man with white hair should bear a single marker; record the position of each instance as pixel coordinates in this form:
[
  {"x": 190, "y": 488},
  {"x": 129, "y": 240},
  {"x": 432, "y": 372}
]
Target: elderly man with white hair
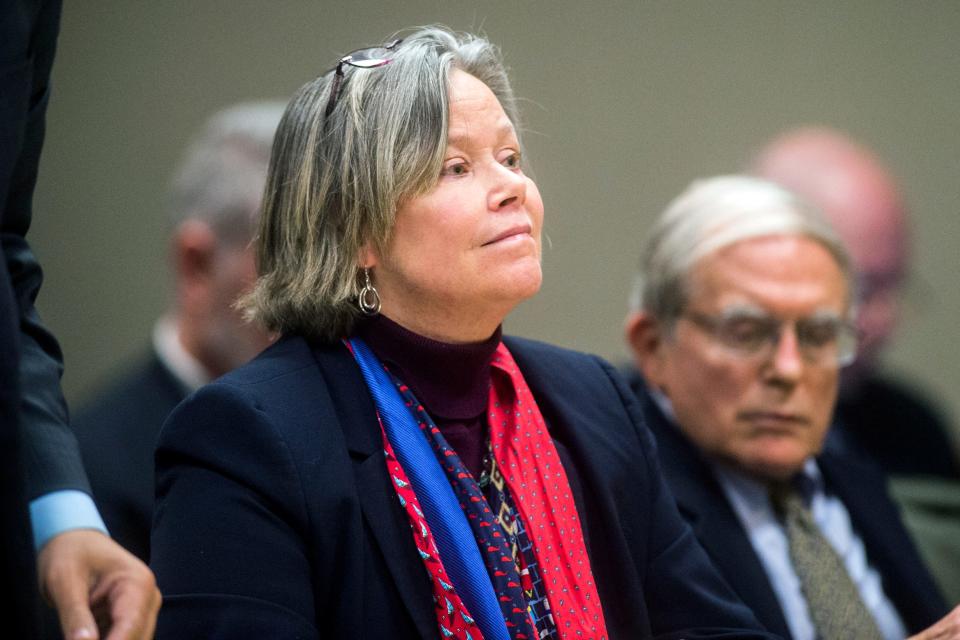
[
  {"x": 741, "y": 322},
  {"x": 215, "y": 201}
]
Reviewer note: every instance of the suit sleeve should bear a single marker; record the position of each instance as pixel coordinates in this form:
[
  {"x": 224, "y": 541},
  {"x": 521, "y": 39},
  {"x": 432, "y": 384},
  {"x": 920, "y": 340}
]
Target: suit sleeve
[
  {"x": 228, "y": 541},
  {"x": 51, "y": 455},
  {"x": 686, "y": 595}
]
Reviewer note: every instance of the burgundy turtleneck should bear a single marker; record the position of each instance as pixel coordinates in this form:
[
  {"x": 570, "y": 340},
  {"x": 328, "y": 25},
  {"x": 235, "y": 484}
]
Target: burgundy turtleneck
[{"x": 451, "y": 380}]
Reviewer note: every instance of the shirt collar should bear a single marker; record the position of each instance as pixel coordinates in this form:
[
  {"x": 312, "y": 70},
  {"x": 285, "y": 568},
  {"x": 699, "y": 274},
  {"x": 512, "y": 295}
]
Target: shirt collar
[{"x": 185, "y": 368}]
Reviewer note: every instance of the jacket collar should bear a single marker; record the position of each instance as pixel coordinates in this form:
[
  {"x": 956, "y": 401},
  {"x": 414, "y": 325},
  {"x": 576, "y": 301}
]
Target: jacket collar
[
  {"x": 388, "y": 523},
  {"x": 703, "y": 504}
]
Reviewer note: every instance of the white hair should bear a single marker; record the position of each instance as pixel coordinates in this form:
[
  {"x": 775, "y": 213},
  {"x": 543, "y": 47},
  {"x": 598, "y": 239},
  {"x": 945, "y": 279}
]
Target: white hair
[
  {"x": 712, "y": 214},
  {"x": 221, "y": 177}
]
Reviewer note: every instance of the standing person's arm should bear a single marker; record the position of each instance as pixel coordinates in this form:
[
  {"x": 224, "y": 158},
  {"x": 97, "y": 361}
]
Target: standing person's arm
[{"x": 79, "y": 566}]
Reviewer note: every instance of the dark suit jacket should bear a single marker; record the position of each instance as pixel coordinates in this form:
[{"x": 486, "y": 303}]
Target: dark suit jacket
[
  {"x": 897, "y": 427},
  {"x": 275, "y": 516},
  {"x": 50, "y": 451},
  {"x": 858, "y": 484},
  {"x": 118, "y": 433},
  {"x": 34, "y": 438}
]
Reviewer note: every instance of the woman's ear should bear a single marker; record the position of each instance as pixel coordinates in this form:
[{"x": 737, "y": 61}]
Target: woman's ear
[
  {"x": 368, "y": 257},
  {"x": 647, "y": 341}
]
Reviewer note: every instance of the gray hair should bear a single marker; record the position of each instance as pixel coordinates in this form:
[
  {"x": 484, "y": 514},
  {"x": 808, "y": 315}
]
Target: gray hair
[
  {"x": 712, "y": 214},
  {"x": 335, "y": 183},
  {"x": 220, "y": 179}
]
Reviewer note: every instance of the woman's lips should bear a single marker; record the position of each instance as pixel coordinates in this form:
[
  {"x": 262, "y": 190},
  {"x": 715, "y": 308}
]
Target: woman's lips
[{"x": 518, "y": 230}]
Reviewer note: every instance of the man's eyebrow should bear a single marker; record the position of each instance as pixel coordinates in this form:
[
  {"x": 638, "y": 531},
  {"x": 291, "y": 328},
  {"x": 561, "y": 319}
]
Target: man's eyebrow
[
  {"x": 826, "y": 314},
  {"x": 744, "y": 309},
  {"x": 747, "y": 310}
]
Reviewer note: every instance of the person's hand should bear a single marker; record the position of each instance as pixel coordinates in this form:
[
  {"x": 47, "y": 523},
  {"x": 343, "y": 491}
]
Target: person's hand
[
  {"x": 98, "y": 587},
  {"x": 947, "y": 628}
]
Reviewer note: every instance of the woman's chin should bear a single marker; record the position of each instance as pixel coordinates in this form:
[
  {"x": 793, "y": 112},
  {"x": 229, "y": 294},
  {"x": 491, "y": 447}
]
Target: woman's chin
[{"x": 524, "y": 283}]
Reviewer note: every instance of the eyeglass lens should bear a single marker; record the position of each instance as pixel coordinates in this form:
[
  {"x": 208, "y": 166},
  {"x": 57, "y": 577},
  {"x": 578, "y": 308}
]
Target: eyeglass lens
[{"x": 823, "y": 341}]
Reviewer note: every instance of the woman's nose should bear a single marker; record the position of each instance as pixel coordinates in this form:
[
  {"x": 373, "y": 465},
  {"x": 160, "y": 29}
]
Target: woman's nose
[{"x": 510, "y": 187}]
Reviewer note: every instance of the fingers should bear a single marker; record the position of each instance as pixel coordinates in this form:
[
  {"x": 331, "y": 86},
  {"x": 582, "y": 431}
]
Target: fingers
[
  {"x": 92, "y": 581},
  {"x": 68, "y": 592},
  {"x": 77, "y": 623},
  {"x": 67, "y": 584},
  {"x": 132, "y": 600},
  {"x": 947, "y": 628}
]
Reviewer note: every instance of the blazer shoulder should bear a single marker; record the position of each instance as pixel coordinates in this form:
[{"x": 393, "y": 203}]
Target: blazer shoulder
[
  {"x": 558, "y": 368},
  {"x": 301, "y": 393},
  {"x": 282, "y": 360},
  {"x": 528, "y": 348}
]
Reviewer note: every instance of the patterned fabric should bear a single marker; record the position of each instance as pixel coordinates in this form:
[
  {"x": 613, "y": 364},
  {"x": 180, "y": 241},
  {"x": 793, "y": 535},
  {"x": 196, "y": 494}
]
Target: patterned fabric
[
  {"x": 452, "y": 616},
  {"x": 494, "y": 487},
  {"x": 448, "y": 523},
  {"x": 528, "y": 459},
  {"x": 494, "y": 544},
  {"x": 834, "y": 602},
  {"x": 527, "y": 574}
]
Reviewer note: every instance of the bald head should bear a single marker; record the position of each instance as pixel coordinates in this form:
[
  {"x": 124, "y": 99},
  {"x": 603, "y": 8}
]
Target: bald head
[{"x": 859, "y": 197}]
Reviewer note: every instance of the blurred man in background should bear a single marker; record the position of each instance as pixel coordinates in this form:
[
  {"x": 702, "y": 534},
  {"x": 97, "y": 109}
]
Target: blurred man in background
[
  {"x": 893, "y": 423},
  {"x": 860, "y": 198},
  {"x": 740, "y": 324},
  {"x": 214, "y": 206}
]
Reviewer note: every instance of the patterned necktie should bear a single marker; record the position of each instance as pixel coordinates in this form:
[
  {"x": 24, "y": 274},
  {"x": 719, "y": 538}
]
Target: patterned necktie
[{"x": 835, "y": 606}]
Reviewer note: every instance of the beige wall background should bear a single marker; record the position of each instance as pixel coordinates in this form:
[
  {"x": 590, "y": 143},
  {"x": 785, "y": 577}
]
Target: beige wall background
[{"x": 624, "y": 102}]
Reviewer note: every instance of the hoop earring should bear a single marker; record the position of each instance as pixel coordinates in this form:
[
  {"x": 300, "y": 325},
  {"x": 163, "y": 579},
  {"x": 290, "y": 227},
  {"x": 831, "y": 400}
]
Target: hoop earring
[{"x": 369, "y": 299}]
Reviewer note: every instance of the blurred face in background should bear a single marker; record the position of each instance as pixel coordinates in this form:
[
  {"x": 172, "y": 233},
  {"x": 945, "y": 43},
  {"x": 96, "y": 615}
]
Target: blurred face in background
[
  {"x": 212, "y": 273},
  {"x": 871, "y": 222},
  {"x": 764, "y": 407},
  {"x": 861, "y": 199},
  {"x": 230, "y": 340}
]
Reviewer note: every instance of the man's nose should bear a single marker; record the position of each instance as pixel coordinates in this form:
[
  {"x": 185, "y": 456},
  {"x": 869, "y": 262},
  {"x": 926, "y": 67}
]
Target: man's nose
[{"x": 787, "y": 361}]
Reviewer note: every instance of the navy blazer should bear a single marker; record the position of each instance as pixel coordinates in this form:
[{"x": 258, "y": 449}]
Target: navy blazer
[
  {"x": 855, "y": 481},
  {"x": 275, "y": 516}
]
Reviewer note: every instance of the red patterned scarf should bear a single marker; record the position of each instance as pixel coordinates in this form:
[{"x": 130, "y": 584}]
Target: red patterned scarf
[{"x": 528, "y": 459}]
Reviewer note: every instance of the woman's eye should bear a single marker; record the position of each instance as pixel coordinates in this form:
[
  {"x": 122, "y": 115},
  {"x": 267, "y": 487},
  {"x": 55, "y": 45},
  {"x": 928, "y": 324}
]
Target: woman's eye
[{"x": 455, "y": 169}]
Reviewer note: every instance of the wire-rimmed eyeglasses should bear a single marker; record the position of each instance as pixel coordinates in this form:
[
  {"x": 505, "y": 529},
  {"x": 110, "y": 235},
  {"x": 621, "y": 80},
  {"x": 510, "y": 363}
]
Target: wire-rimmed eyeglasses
[
  {"x": 367, "y": 58},
  {"x": 823, "y": 340}
]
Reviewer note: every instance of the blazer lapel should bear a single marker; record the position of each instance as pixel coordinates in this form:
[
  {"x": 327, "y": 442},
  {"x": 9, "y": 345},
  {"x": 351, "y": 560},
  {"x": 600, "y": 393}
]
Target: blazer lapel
[
  {"x": 721, "y": 534},
  {"x": 704, "y": 505},
  {"x": 381, "y": 509}
]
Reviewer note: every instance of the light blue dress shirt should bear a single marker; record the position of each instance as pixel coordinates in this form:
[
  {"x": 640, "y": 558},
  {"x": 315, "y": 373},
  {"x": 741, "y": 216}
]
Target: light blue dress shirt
[
  {"x": 60, "y": 511},
  {"x": 750, "y": 502}
]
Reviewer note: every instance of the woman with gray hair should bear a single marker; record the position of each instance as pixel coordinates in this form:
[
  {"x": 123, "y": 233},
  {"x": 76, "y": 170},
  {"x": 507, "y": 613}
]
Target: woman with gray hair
[{"x": 393, "y": 466}]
